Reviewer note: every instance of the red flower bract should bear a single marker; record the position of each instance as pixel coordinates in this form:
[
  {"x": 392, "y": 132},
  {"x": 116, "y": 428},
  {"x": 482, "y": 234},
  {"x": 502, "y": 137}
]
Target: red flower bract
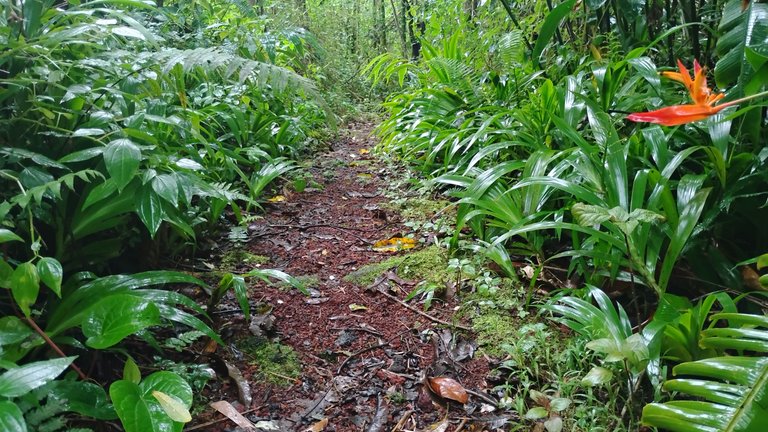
[{"x": 703, "y": 100}]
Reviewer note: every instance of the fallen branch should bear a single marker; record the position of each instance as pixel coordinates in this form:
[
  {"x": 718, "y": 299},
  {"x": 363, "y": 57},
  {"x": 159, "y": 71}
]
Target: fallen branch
[{"x": 354, "y": 354}]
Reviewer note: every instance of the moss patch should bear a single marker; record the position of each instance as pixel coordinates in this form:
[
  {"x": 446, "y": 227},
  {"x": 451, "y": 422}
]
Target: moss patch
[
  {"x": 277, "y": 363},
  {"x": 429, "y": 264},
  {"x": 237, "y": 258},
  {"x": 417, "y": 209}
]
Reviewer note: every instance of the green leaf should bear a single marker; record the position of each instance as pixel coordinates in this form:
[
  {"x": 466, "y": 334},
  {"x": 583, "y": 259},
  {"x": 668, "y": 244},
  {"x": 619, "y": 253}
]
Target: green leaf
[
  {"x": 13, "y": 330},
  {"x": 548, "y": 29},
  {"x": 137, "y": 414},
  {"x": 559, "y": 404},
  {"x": 165, "y": 186},
  {"x": 51, "y": 273},
  {"x": 131, "y": 371},
  {"x": 597, "y": 376},
  {"x": 25, "y": 285},
  {"x": 139, "y": 409},
  {"x": 23, "y": 379},
  {"x": 114, "y": 318},
  {"x": 86, "y": 398},
  {"x": 609, "y": 347},
  {"x": 150, "y": 210},
  {"x": 744, "y": 38},
  {"x": 8, "y": 235},
  {"x": 122, "y": 158},
  {"x": 536, "y": 413},
  {"x": 11, "y": 418},
  {"x": 589, "y": 215}
]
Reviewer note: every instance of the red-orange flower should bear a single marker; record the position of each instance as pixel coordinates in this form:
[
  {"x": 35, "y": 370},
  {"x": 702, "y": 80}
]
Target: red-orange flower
[{"x": 703, "y": 100}]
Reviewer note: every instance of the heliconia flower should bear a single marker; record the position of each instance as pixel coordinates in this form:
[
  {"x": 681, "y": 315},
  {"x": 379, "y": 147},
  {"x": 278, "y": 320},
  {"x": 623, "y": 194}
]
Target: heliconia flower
[{"x": 703, "y": 105}]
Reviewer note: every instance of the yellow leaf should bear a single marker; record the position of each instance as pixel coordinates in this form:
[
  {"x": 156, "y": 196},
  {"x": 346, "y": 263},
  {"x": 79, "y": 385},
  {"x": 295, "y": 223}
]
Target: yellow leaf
[
  {"x": 276, "y": 199},
  {"x": 364, "y": 151},
  {"x": 173, "y": 407},
  {"x": 356, "y": 307},
  {"x": 394, "y": 244}
]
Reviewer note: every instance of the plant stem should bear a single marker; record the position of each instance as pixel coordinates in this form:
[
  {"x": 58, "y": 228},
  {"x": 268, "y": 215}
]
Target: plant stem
[
  {"x": 55, "y": 347},
  {"x": 744, "y": 99}
]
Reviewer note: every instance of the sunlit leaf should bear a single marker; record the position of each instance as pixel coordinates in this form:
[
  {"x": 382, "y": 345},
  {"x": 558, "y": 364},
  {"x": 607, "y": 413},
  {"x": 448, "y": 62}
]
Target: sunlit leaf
[
  {"x": 173, "y": 407},
  {"x": 394, "y": 244}
]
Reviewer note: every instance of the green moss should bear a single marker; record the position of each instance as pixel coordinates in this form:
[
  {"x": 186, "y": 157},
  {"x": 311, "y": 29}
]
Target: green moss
[
  {"x": 429, "y": 264},
  {"x": 237, "y": 258},
  {"x": 277, "y": 363},
  {"x": 417, "y": 209}
]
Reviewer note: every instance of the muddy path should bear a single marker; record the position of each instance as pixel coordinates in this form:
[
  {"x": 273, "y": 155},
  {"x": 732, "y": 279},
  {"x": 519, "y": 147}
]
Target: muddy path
[{"x": 349, "y": 356}]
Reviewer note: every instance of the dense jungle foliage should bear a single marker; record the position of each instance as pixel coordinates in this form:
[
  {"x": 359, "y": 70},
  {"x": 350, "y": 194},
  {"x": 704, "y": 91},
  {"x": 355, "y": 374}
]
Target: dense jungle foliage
[{"x": 133, "y": 132}]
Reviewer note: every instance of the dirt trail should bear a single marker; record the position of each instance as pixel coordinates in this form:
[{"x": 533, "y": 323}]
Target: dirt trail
[{"x": 361, "y": 353}]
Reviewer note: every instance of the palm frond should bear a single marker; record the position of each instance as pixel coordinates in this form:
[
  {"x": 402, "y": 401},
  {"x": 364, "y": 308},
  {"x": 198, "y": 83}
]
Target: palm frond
[{"x": 731, "y": 392}]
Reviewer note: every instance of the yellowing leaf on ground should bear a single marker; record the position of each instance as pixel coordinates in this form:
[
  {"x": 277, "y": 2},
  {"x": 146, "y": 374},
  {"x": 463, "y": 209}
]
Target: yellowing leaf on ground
[
  {"x": 364, "y": 151},
  {"x": 356, "y": 307},
  {"x": 276, "y": 199},
  {"x": 394, "y": 244},
  {"x": 173, "y": 407},
  {"x": 365, "y": 175}
]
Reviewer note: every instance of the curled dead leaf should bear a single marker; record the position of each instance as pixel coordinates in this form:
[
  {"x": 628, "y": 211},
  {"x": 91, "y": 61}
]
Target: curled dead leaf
[
  {"x": 448, "y": 388},
  {"x": 276, "y": 199},
  {"x": 394, "y": 244},
  {"x": 318, "y": 426}
]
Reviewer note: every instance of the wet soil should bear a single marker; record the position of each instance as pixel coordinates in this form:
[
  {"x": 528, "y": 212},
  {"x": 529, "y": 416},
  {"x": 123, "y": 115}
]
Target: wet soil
[{"x": 363, "y": 354}]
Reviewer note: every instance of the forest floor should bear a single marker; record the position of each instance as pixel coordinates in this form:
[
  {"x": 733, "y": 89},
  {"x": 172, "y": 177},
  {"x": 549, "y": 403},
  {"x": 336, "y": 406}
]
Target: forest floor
[{"x": 352, "y": 355}]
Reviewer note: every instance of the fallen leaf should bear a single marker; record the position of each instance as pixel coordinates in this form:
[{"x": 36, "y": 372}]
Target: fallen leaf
[
  {"x": 394, "y": 244},
  {"x": 440, "y": 426},
  {"x": 356, "y": 307},
  {"x": 243, "y": 388},
  {"x": 317, "y": 427},
  {"x": 365, "y": 175},
  {"x": 276, "y": 199},
  {"x": 448, "y": 388},
  {"x": 173, "y": 407},
  {"x": 231, "y": 413},
  {"x": 363, "y": 151}
]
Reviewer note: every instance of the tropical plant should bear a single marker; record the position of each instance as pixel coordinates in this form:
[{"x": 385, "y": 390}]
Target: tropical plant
[{"x": 729, "y": 392}]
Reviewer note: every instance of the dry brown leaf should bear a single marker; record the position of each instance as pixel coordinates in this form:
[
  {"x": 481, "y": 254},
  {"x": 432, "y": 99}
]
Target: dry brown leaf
[
  {"x": 440, "y": 426},
  {"x": 317, "y": 427},
  {"x": 394, "y": 244},
  {"x": 228, "y": 410},
  {"x": 448, "y": 388}
]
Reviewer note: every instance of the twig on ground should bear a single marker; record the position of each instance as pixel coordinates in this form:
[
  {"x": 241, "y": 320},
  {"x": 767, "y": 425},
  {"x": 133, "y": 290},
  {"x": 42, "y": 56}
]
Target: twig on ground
[
  {"x": 483, "y": 397},
  {"x": 357, "y": 353},
  {"x": 403, "y": 420},
  {"x": 424, "y": 314}
]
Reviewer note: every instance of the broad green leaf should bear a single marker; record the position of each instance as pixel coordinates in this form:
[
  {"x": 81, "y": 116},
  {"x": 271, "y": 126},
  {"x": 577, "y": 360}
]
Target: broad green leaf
[
  {"x": 5, "y": 274},
  {"x": 743, "y": 41},
  {"x": 122, "y": 158},
  {"x": 51, "y": 273},
  {"x": 559, "y": 404},
  {"x": 131, "y": 371},
  {"x": 11, "y": 418},
  {"x": 536, "y": 413},
  {"x": 170, "y": 384},
  {"x": 173, "y": 407},
  {"x": 597, "y": 376},
  {"x": 116, "y": 317},
  {"x": 553, "y": 424},
  {"x": 25, "y": 285},
  {"x": 8, "y": 235},
  {"x": 136, "y": 413},
  {"x": 150, "y": 210},
  {"x": 166, "y": 187},
  {"x": 609, "y": 347},
  {"x": 82, "y": 397},
  {"x": 23, "y": 379},
  {"x": 13, "y": 330},
  {"x": 589, "y": 215}
]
